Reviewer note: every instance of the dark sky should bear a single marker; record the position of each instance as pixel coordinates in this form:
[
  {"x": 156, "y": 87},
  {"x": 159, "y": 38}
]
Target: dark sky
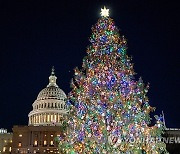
[{"x": 36, "y": 35}]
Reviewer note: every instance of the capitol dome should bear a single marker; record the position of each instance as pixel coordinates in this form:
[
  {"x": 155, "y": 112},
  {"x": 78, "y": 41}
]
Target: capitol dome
[
  {"x": 49, "y": 107},
  {"x": 51, "y": 92}
]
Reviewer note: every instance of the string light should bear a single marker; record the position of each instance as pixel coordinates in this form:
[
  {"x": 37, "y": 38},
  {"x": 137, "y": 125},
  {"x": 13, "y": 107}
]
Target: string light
[{"x": 110, "y": 111}]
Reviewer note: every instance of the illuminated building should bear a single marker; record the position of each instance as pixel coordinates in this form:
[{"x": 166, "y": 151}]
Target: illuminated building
[
  {"x": 44, "y": 122},
  {"x": 5, "y": 141}
]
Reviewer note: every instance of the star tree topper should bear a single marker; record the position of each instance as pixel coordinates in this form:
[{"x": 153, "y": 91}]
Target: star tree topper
[{"x": 104, "y": 12}]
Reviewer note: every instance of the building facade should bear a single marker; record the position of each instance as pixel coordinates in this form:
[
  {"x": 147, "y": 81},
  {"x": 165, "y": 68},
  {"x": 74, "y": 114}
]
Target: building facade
[
  {"x": 172, "y": 140},
  {"x": 35, "y": 139},
  {"x": 44, "y": 122},
  {"x": 5, "y": 141}
]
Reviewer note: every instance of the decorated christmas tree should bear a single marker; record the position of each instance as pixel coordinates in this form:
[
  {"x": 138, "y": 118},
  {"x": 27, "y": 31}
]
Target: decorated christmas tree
[{"x": 108, "y": 109}]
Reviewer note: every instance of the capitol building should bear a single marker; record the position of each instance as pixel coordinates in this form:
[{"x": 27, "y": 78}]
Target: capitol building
[
  {"x": 44, "y": 121},
  {"x": 49, "y": 107}
]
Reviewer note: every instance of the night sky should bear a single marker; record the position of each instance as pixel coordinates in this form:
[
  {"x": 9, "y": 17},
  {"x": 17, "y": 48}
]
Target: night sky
[{"x": 36, "y": 35}]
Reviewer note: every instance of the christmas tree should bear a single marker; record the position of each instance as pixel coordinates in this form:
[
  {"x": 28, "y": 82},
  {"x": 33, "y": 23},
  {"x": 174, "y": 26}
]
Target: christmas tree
[{"x": 110, "y": 111}]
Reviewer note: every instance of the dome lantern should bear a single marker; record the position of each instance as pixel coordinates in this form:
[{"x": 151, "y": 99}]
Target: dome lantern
[{"x": 52, "y": 79}]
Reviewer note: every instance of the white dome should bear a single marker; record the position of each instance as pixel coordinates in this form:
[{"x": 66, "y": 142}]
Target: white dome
[
  {"x": 49, "y": 107},
  {"x": 51, "y": 92}
]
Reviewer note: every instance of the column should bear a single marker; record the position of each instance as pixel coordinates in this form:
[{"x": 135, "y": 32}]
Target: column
[
  {"x": 55, "y": 117},
  {"x": 44, "y": 118},
  {"x": 58, "y": 118},
  {"x": 51, "y": 117},
  {"x": 39, "y": 118},
  {"x": 34, "y": 119},
  {"x": 48, "y": 118}
]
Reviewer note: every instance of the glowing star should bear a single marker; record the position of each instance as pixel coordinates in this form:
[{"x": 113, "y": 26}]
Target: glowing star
[{"x": 105, "y": 12}]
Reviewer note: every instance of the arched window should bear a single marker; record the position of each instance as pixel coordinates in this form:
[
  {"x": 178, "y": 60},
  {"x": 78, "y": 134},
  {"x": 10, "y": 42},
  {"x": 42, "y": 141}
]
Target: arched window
[
  {"x": 51, "y": 143},
  {"x": 19, "y": 144},
  {"x": 35, "y": 143},
  {"x": 45, "y": 142}
]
